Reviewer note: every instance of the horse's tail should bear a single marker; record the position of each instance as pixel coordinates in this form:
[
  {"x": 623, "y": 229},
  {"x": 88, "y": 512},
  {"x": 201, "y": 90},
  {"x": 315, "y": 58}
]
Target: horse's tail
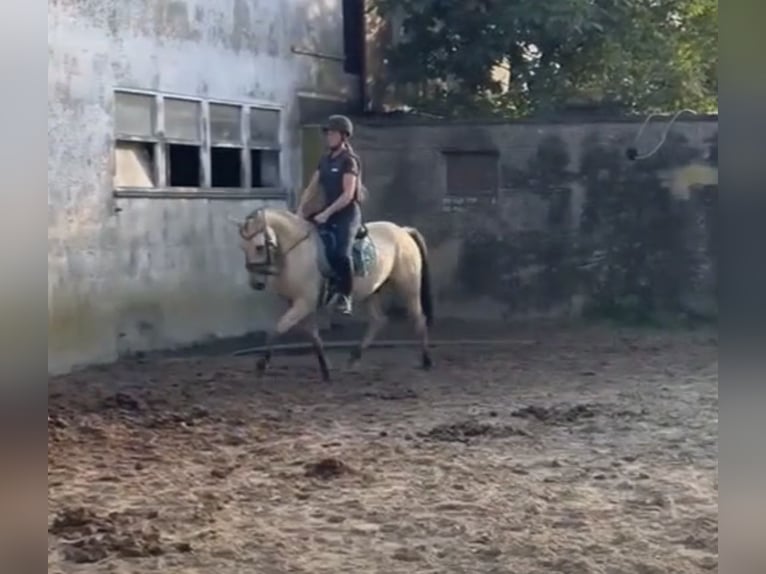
[{"x": 426, "y": 294}]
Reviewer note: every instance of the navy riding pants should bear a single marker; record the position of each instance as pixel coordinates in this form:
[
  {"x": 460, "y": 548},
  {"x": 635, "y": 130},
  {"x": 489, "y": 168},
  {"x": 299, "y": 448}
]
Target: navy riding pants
[{"x": 343, "y": 227}]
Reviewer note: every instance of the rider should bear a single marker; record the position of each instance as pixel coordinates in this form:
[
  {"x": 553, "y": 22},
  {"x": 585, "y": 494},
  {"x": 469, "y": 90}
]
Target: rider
[{"x": 338, "y": 176}]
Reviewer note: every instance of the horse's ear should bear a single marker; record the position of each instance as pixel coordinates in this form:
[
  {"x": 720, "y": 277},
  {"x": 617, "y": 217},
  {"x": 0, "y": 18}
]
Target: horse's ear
[{"x": 260, "y": 216}]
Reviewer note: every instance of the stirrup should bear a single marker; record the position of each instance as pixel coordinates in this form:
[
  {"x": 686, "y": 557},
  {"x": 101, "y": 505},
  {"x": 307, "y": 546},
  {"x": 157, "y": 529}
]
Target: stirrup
[{"x": 343, "y": 304}]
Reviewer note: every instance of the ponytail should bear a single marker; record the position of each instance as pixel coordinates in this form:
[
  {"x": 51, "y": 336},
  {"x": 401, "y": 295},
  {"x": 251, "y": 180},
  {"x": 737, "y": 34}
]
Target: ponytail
[{"x": 361, "y": 190}]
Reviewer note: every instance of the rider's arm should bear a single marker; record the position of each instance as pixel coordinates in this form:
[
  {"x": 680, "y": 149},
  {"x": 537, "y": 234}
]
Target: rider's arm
[
  {"x": 308, "y": 194},
  {"x": 350, "y": 176}
]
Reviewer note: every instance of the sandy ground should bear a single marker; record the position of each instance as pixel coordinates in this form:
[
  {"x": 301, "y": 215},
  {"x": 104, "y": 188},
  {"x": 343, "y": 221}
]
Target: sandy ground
[{"x": 578, "y": 451}]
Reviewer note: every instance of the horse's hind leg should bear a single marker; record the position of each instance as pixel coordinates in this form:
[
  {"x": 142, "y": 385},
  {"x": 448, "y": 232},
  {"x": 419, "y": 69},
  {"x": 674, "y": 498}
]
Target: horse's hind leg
[{"x": 376, "y": 321}]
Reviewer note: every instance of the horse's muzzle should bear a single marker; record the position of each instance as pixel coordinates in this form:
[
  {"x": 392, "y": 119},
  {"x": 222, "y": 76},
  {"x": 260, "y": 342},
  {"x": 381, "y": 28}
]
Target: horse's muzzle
[{"x": 258, "y": 284}]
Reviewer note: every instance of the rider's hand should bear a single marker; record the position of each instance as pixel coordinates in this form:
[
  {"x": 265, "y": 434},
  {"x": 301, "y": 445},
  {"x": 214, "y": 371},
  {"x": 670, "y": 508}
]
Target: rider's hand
[{"x": 321, "y": 217}]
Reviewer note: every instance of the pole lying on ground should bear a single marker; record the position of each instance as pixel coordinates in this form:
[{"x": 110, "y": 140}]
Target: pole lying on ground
[{"x": 384, "y": 344}]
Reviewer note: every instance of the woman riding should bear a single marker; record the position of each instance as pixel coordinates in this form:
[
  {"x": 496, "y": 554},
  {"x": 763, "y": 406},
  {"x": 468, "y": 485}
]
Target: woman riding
[{"x": 338, "y": 177}]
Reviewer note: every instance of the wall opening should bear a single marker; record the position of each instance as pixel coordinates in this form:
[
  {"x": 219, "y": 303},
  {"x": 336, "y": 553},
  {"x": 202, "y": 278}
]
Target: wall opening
[
  {"x": 472, "y": 173},
  {"x": 225, "y": 167},
  {"x": 184, "y": 166},
  {"x": 265, "y": 168}
]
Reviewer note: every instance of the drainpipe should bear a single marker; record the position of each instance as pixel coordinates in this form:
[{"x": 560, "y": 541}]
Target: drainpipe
[{"x": 363, "y": 70}]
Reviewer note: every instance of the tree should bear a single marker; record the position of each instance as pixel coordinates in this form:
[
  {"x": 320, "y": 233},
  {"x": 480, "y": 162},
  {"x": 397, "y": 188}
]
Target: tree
[{"x": 645, "y": 55}]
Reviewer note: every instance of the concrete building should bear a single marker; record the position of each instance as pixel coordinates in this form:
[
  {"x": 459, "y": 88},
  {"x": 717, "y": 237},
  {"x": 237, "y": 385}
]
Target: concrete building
[{"x": 165, "y": 117}]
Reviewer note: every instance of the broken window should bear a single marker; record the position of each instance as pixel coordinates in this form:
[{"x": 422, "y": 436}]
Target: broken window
[
  {"x": 183, "y": 142},
  {"x": 226, "y": 146},
  {"x": 264, "y": 148},
  {"x": 184, "y": 166},
  {"x": 135, "y": 120},
  {"x": 134, "y": 164},
  {"x": 175, "y": 142},
  {"x": 265, "y": 166},
  {"x": 472, "y": 173}
]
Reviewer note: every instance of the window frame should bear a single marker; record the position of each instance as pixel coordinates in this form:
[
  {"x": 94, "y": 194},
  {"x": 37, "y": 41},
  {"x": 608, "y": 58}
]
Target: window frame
[{"x": 158, "y": 139}]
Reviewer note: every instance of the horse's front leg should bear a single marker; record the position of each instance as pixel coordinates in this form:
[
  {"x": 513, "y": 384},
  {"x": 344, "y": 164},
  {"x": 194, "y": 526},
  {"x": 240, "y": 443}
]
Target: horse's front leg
[
  {"x": 298, "y": 311},
  {"x": 312, "y": 329}
]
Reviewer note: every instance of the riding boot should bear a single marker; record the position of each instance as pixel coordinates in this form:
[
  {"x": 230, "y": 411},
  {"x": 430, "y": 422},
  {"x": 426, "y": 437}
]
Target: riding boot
[
  {"x": 345, "y": 285},
  {"x": 343, "y": 304}
]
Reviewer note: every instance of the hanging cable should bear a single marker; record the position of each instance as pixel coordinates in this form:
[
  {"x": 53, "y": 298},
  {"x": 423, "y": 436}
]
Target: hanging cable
[{"x": 632, "y": 152}]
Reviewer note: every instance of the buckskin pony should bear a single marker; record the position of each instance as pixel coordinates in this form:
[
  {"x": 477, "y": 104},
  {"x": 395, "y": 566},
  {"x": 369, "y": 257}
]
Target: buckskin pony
[{"x": 287, "y": 253}]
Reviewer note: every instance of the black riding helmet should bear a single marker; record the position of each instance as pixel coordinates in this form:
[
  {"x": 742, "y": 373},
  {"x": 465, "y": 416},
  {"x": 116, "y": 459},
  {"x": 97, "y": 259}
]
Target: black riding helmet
[{"x": 338, "y": 123}]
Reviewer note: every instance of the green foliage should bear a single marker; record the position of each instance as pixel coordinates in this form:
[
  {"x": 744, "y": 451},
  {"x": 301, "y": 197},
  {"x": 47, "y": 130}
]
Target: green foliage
[{"x": 644, "y": 55}]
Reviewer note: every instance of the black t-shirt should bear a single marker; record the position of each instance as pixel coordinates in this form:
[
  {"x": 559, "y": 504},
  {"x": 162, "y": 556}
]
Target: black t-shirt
[{"x": 331, "y": 171}]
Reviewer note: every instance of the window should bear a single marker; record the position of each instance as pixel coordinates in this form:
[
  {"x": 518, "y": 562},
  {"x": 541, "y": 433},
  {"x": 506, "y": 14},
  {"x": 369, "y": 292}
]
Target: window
[
  {"x": 183, "y": 142},
  {"x": 264, "y": 147},
  {"x": 135, "y": 126},
  {"x": 226, "y": 151},
  {"x": 472, "y": 173},
  {"x": 176, "y": 144}
]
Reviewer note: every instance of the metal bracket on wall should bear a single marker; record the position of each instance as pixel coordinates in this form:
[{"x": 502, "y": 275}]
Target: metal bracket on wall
[{"x": 320, "y": 55}]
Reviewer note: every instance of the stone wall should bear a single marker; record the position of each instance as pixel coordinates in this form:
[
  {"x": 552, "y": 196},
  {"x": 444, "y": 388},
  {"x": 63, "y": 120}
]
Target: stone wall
[{"x": 533, "y": 219}]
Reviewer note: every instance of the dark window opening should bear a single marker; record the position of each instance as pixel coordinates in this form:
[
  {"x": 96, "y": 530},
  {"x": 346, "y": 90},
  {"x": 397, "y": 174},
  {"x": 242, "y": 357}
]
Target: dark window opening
[
  {"x": 265, "y": 168},
  {"x": 473, "y": 173},
  {"x": 184, "y": 165},
  {"x": 225, "y": 167},
  {"x": 147, "y": 149},
  {"x": 353, "y": 37}
]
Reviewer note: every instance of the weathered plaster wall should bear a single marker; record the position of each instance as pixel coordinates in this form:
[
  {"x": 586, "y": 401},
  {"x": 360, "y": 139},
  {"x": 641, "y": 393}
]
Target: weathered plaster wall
[
  {"x": 574, "y": 227},
  {"x": 134, "y": 274}
]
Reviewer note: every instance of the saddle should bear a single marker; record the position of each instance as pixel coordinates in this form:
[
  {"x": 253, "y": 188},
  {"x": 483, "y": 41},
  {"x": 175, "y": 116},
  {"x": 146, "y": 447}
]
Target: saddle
[{"x": 363, "y": 252}]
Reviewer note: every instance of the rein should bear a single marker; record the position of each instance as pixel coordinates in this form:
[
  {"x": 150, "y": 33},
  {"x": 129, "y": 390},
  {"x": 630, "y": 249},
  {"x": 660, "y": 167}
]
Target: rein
[{"x": 268, "y": 266}]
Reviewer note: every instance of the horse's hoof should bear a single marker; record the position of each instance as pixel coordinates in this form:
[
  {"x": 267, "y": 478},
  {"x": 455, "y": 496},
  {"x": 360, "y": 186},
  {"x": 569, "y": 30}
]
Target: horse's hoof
[
  {"x": 427, "y": 363},
  {"x": 354, "y": 358},
  {"x": 260, "y": 366}
]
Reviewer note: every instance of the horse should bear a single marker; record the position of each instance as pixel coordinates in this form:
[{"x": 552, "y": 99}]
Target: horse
[{"x": 288, "y": 253}]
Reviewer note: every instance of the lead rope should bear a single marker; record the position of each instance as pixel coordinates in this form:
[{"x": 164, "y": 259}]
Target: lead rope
[{"x": 632, "y": 152}]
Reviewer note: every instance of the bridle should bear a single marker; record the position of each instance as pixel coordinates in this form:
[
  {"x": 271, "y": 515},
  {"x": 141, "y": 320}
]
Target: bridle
[{"x": 270, "y": 267}]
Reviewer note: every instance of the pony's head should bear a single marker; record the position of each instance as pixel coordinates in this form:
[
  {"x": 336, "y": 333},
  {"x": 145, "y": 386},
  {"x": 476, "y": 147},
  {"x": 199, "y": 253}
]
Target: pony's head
[{"x": 259, "y": 244}]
